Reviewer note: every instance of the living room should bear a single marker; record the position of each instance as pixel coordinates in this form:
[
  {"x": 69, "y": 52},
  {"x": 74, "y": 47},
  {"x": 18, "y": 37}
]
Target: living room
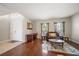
[{"x": 29, "y": 29}]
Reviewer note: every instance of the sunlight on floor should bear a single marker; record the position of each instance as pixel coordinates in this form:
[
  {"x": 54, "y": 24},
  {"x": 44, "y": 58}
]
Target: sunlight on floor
[
  {"x": 7, "y": 45},
  {"x": 44, "y": 47},
  {"x": 45, "y": 51}
]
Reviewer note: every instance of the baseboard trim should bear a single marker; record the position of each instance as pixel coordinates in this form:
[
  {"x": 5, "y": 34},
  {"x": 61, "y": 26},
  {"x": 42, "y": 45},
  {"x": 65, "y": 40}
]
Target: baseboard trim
[{"x": 76, "y": 42}]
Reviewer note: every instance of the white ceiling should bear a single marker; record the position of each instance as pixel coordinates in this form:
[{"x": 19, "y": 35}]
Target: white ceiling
[{"x": 41, "y": 11}]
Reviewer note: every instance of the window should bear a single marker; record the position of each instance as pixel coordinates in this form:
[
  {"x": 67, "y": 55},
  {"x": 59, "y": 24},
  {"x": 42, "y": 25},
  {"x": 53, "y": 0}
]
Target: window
[
  {"x": 59, "y": 28},
  {"x": 44, "y": 28}
]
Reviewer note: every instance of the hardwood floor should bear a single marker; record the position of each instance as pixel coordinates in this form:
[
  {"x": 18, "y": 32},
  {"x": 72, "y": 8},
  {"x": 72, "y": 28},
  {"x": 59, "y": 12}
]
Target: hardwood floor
[
  {"x": 73, "y": 44},
  {"x": 31, "y": 49}
]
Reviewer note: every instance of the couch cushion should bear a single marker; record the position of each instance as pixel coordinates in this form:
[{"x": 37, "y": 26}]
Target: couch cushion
[{"x": 52, "y": 35}]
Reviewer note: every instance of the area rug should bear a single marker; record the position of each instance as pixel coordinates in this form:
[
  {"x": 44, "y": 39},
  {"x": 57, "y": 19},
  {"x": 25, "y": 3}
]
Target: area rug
[{"x": 66, "y": 48}]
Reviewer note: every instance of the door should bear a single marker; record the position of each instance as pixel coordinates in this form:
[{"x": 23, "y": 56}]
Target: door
[{"x": 16, "y": 28}]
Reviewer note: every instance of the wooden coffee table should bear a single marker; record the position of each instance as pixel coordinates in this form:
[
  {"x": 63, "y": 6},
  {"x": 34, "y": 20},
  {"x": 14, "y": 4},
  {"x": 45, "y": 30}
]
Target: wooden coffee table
[{"x": 57, "y": 41}]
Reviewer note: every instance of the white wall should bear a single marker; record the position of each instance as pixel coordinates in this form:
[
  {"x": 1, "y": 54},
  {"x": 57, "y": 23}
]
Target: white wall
[
  {"x": 75, "y": 28},
  {"x": 4, "y": 28},
  {"x": 34, "y": 26},
  {"x": 51, "y": 26}
]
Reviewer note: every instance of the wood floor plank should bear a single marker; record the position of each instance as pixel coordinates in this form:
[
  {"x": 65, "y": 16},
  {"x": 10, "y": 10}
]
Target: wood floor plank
[{"x": 31, "y": 49}]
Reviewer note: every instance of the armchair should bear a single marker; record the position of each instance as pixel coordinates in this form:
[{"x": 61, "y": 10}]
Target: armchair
[{"x": 53, "y": 35}]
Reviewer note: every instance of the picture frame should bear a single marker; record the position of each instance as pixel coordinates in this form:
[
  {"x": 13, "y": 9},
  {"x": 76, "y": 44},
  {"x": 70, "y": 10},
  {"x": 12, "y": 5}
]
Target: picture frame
[{"x": 29, "y": 25}]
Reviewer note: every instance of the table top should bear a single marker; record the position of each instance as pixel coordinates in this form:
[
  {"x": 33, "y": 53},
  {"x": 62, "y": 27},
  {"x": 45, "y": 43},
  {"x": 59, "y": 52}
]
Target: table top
[{"x": 56, "y": 40}]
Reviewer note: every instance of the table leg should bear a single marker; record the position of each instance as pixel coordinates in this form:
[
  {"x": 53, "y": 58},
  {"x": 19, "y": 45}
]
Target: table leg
[{"x": 62, "y": 45}]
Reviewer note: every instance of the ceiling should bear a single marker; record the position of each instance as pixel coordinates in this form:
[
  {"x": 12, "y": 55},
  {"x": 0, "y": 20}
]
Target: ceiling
[{"x": 37, "y": 11}]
